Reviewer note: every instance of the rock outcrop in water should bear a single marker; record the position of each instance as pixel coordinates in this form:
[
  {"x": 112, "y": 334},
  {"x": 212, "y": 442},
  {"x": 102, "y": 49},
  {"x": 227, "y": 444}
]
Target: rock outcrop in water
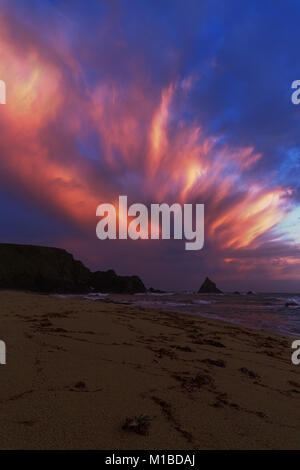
[
  {"x": 109, "y": 281},
  {"x": 45, "y": 269},
  {"x": 209, "y": 287},
  {"x": 152, "y": 290}
]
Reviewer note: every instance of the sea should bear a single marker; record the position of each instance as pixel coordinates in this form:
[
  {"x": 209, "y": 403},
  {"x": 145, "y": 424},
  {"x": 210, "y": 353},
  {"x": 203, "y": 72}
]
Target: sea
[{"x": 273, "y": 312}]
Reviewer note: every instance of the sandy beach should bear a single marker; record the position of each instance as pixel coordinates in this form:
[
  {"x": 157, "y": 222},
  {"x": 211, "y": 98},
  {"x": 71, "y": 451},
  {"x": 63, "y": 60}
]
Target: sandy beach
[{"x": 78, "y": 373}]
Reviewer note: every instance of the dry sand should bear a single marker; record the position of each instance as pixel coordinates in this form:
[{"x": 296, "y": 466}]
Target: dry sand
[{"x": 77, "y": 369}]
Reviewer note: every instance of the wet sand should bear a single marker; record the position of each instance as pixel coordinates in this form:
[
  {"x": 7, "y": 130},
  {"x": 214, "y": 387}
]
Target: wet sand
[{"x": 77, "y": 371}]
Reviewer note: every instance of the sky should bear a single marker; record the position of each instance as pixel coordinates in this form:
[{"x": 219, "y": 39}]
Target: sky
[{"x": 162, "y": 101}]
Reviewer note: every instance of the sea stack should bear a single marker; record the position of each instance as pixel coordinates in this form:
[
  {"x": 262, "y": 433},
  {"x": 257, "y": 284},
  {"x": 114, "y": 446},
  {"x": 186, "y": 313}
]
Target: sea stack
[{"x": 209, "y": 287}]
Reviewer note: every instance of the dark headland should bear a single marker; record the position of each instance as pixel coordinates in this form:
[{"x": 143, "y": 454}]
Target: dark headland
[{"x": 47, "y": 269}]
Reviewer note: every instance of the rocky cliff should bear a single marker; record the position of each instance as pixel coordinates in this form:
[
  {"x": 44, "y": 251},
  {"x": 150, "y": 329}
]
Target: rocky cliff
[
  {"x": 41, "y": 269},
  {"x": 44, "y": 269}
]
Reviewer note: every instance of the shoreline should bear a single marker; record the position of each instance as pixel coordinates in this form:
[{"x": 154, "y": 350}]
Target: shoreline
[
  {"x": 77, "y": 370},
  {"x": 205, "y": 306}
]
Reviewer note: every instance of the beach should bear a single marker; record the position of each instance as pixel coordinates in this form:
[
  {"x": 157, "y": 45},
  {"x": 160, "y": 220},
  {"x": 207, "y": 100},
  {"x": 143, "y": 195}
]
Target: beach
[{"x": 84, "y": 374}]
